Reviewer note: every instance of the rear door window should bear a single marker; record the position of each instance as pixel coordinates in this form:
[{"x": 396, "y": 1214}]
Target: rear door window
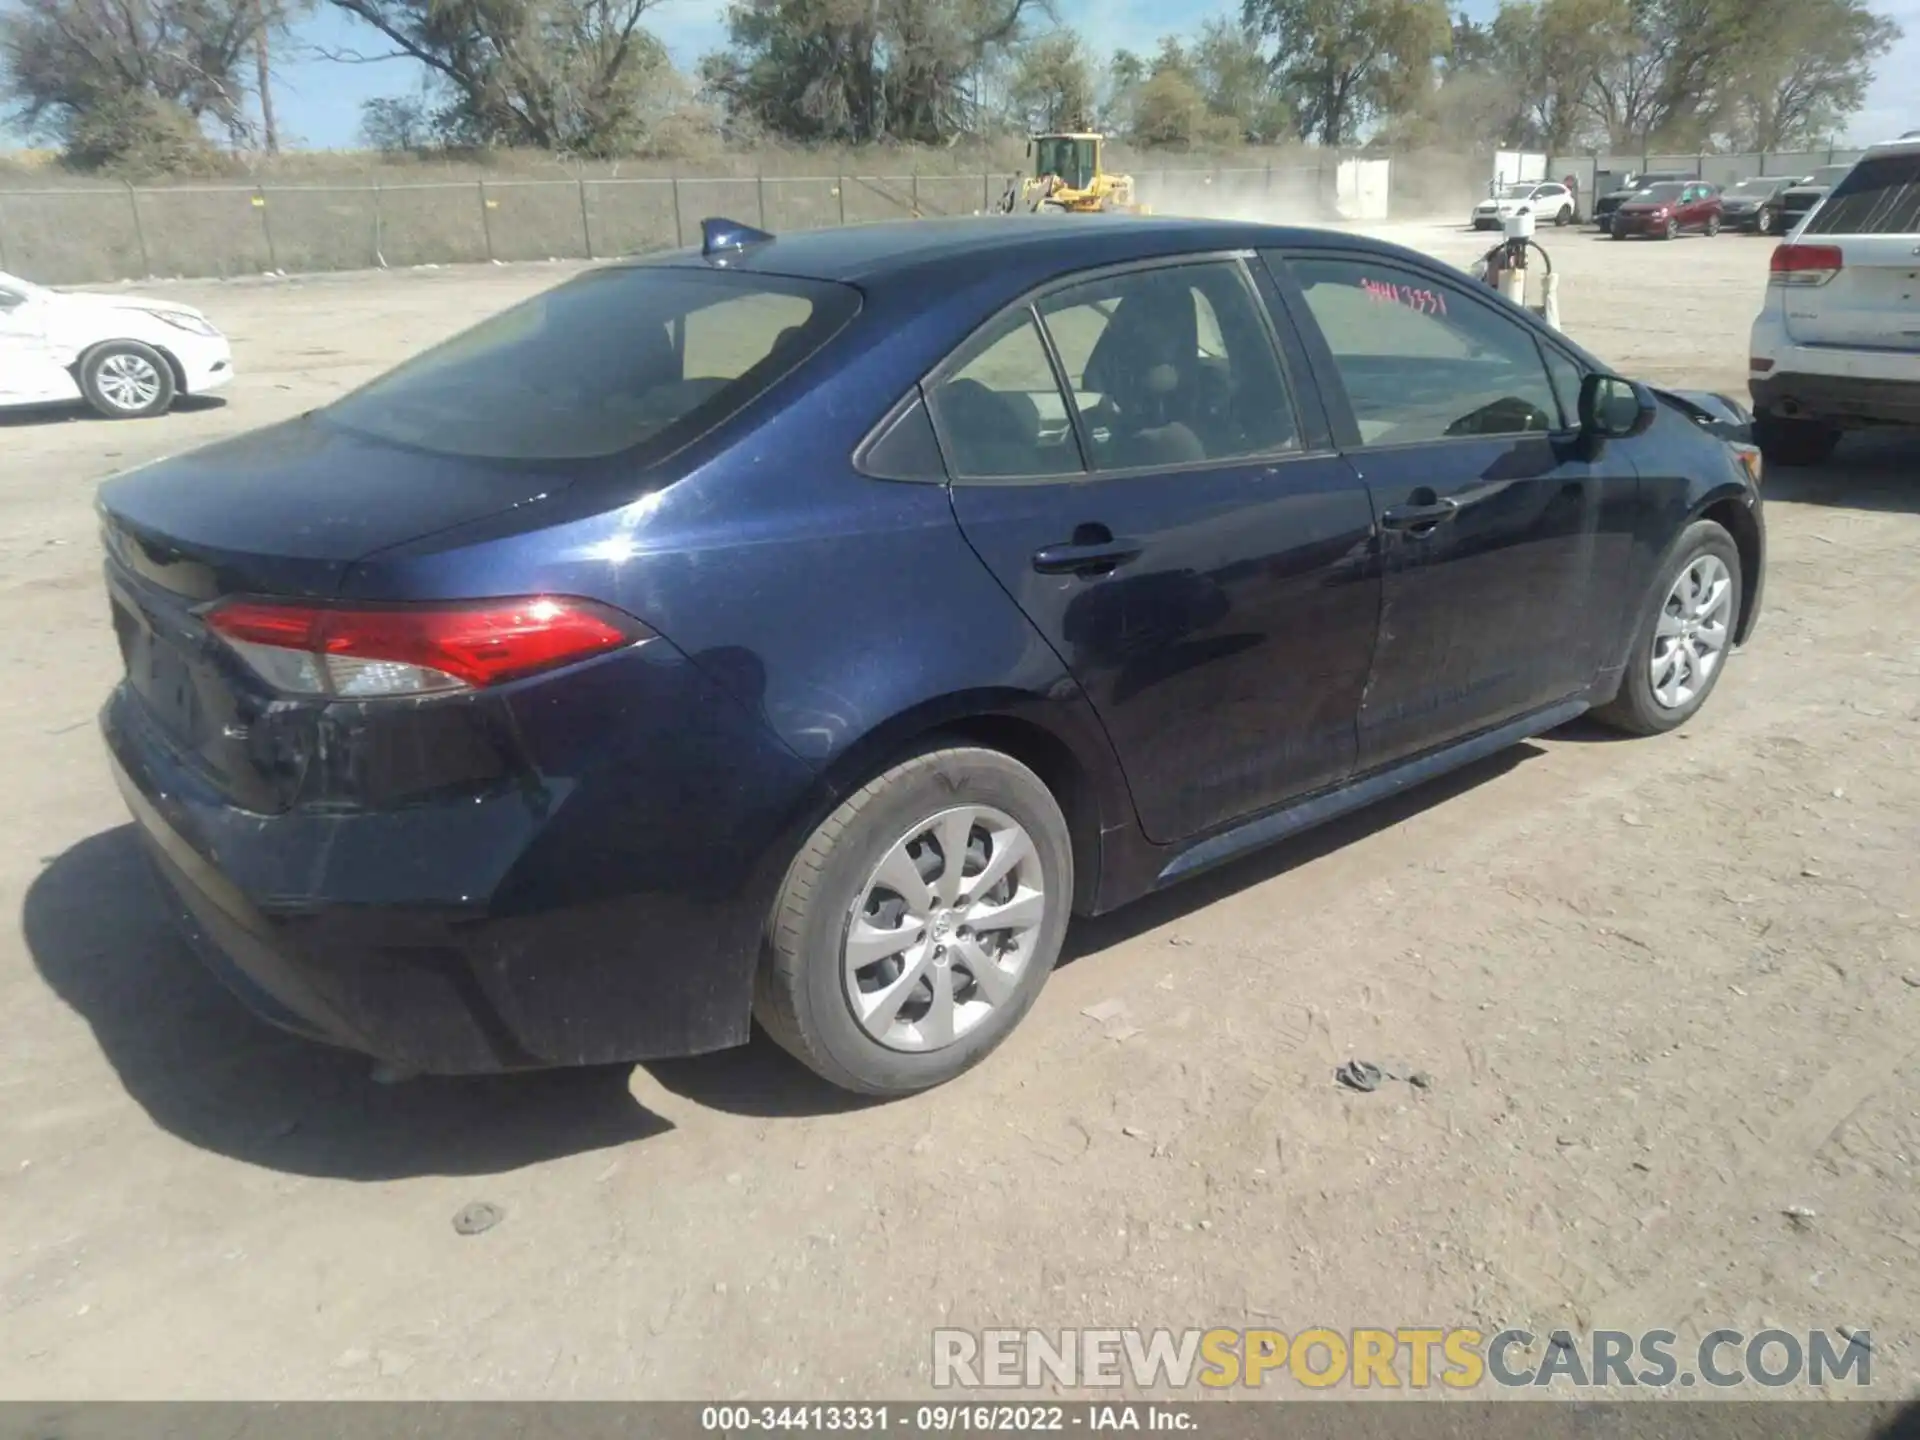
[
  {"x": 630, "y": 359},
  {"x": 1881, "y": 196},
  {"x": 999, "y": 409},
  {"x": 1172, "y": 366}
]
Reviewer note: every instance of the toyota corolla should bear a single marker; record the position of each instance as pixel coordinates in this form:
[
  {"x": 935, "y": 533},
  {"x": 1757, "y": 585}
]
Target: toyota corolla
[{"x": 806, "y": 628}]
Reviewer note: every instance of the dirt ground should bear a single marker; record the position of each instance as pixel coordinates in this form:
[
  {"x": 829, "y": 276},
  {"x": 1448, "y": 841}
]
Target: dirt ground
[{"x": 1665, "y": 990}]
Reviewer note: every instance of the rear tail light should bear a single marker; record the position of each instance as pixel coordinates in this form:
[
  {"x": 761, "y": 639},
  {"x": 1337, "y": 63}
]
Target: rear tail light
[
  {"x": 1803, "y": 264},
  {"x": 387, "y": 651}
]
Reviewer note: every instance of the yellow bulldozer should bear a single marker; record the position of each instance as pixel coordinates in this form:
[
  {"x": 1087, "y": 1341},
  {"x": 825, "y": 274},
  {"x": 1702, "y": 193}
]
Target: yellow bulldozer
[{"x": 1069, "y": 179}]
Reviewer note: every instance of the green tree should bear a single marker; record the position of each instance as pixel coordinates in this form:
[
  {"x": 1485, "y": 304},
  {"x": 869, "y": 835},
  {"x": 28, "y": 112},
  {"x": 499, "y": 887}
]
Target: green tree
[
  {"x": 1341, "y": 62},
  {"x": 1052, "y": 84},
  {"x": 858, "y": 71},
  {"x": 1237, "y": 83},
  {"x": 579, "y": 76},
  {"x": 1802, "y": 74},
  {"x": 1553, "y": 52}
]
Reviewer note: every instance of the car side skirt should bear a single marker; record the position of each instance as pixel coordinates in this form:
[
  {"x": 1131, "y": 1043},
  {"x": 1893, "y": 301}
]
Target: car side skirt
[{"x": 1166, "y": 865}]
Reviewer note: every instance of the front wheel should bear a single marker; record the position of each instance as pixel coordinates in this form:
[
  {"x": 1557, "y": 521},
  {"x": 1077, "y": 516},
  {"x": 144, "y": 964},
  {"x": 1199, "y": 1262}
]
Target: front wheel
[
  {"x": 1684, "y": 639},
  {"x": 125, "y": 380},
  {"x": 919, "y": 923}
]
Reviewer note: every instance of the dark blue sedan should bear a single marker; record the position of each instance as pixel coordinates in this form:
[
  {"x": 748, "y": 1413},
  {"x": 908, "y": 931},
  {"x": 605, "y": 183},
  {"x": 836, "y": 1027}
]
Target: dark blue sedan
[{"x": 803, "y": 629}]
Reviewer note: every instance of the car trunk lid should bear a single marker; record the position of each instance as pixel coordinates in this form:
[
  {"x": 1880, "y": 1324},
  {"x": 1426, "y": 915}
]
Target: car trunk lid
[
  {"x": 282, "y": 512},
  {"x": 1872, "y": 302}
]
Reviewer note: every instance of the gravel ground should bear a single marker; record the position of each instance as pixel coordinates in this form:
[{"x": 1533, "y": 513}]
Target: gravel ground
[{"x": 1667, "y": 991}]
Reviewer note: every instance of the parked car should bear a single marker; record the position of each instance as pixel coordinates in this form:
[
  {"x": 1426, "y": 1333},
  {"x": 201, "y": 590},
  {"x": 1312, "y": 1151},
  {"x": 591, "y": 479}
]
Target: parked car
[
  {"x": 1753, "y": 205},
  {"x": 805, "y": 628},
  {"x": 125, "y": 355},
  {"x": 1666, "y": 211},
  {"x": 1550, "y": 202},
  {"x": 1604, "y": 205},
  {"x": 1799, "y": 198},
  {"x": 1836, "y": 345}
]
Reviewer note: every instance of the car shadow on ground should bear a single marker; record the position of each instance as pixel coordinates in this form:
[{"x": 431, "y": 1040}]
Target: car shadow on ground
[
  {"x": 67, "y": 411},
  {"x": 1870, "y": 471},
  {"x": 207, "y": 1071}
]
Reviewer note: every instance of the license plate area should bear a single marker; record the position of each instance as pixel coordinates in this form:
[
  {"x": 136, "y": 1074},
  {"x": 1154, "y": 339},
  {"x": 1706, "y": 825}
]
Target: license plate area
[{"x": 197, "y": 702}]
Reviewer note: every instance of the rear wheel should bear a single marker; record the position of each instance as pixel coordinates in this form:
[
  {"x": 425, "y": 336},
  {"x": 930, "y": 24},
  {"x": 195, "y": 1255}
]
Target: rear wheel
[
  {"x": 1790, "y": 442},
  {"x": 1565, "y": 217},
  {"x": 1672, "y": 232},
  {"x": 1686, "y": 635},
  {"x": 1764, "y": 222},
  {"x": 125, "y": 380},
  {"x": 1713, "y": 225},
  {"x": 919, "y": 923}
]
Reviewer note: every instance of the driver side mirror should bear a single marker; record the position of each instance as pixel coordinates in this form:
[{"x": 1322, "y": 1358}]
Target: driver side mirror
[{"x": 1613, "y": 408}]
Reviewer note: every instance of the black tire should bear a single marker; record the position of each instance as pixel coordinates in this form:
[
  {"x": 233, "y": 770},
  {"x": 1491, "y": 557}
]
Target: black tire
[
  {"x": 1564, "y": 215},
  {"x": 1672, "y": 231},
  {"x": 125, "y": 380},
  {"x": 1713, "y": 225},
  {"x": 1764, "y": 222},
  {"x": 800, "y": 995},
  {"x": 1636, "y": 710},
  {"x": 1793, "y": 443},
  {"x": 1617, "y": 233}
]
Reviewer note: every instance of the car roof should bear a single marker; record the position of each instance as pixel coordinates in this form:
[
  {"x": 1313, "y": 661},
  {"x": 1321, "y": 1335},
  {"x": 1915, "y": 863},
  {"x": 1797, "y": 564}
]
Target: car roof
[
  {"x": 964, "y": 247},
  {"x": 1907, "y": 144}
]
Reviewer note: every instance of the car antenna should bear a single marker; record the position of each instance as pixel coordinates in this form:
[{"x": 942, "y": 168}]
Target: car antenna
[{"x": 720, "y": 236}]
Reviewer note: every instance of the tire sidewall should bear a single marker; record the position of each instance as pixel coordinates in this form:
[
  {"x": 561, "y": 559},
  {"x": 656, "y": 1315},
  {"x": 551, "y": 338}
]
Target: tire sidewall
[
  {"x": 1702, "y": 537},
  {"x": 957, "y": 777},
  {"x": 90, "y": 384}
]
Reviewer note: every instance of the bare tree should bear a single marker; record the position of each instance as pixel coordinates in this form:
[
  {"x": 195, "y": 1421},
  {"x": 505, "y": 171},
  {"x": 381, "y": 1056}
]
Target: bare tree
[{"x": 122, "y": 79}]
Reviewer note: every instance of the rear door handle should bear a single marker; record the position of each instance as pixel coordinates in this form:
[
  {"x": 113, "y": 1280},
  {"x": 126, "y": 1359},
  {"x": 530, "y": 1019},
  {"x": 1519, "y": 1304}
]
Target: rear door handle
[
  {"x": 1420, "y": 519},
  {"x": 1099, "y": 558}
]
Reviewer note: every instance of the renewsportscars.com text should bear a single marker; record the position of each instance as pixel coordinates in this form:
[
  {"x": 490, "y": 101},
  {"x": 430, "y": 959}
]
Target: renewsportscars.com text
[{"x": 1406, "y": 1357}]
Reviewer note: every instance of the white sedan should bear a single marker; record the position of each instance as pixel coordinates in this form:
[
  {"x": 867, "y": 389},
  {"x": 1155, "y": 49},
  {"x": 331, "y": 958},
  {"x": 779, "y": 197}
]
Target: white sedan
[
  {"x": 125, "y": 355},
  {"x": 1551, "y": 203}
]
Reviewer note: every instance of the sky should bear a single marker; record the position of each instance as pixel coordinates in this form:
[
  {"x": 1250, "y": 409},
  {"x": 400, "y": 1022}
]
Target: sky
[{"x": 319, "y": 100}]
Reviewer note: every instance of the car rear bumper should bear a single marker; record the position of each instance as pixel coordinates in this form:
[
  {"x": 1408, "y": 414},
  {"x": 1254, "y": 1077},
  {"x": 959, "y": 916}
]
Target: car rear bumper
[
  {"x": 595, "y": 921},
  {"x": 1838, "y": 399}
]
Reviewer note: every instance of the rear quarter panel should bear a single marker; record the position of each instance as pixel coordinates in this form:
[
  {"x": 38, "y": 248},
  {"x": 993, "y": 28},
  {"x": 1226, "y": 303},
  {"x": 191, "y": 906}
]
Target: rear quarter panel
[{"x": 848, "y": 614}]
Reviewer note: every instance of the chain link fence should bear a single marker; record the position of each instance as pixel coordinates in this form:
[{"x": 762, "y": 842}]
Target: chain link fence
[{"x": 81, "y": 234}]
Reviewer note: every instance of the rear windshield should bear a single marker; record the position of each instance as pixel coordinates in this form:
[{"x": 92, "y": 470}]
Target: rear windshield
[
  {"x": 1880, "y": 197},
  {"x": 643, "y": 357}
]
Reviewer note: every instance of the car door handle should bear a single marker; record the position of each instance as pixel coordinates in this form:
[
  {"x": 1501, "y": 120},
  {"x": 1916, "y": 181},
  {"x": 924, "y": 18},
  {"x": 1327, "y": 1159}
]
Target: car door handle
[
  {"x": 1420, "y": 519},
  {"x": 1098, "y": 558}
]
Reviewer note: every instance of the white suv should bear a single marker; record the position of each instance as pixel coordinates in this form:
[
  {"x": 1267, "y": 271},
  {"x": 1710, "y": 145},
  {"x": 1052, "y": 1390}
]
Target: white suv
[{"x": 1836, "y": 346}]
